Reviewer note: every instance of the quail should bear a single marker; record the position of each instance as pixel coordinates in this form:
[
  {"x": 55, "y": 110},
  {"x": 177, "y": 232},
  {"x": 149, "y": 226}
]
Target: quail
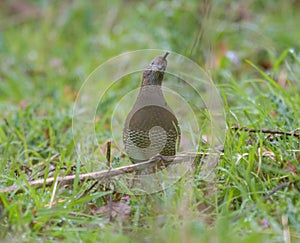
[{"x": 151, "y": 128}]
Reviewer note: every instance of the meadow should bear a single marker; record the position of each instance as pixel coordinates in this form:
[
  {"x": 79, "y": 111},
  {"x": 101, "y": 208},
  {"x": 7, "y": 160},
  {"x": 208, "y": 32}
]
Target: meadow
[{"x": 251, "y": 51}]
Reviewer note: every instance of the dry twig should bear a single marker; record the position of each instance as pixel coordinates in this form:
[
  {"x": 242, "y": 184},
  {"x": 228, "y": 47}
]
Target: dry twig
[{"x": 269, "y": 131}]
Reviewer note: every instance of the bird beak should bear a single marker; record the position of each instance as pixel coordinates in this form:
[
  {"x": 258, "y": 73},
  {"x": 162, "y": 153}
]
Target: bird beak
[{"x": 165, "y": 56}]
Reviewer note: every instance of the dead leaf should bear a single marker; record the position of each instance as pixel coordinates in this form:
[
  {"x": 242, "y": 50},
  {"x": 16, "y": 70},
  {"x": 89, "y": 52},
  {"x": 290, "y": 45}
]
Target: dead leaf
[
  {"x": 22, "y": 8},
  {"x": 23, "y": 104},
  {"x": 114, "y": 210},
  {"x": 273, "y": 113},
  {"x": 269, "y": 154},
  {"x": 288, "y": 166}
]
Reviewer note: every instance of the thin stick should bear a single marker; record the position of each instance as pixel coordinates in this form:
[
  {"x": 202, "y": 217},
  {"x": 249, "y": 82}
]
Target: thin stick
[
  {"x": 276, "y": 189},
  {"x": 108, "y": 152},
  {"x": 270, "y": 131},
  {"x": 265, "y": 197}
]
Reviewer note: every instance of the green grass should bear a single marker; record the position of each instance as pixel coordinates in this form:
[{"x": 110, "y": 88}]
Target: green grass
[{"x": 254, "y": 46}]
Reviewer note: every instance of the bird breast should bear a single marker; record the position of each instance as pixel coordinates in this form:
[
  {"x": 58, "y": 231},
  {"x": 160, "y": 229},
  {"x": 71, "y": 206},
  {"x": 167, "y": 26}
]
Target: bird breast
[{"x": 151, "y": 128}]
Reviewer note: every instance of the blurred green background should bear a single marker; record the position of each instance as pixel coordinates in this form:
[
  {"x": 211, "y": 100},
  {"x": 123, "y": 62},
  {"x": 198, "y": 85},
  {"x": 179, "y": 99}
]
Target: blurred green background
[{"x": 48, "y": 47}]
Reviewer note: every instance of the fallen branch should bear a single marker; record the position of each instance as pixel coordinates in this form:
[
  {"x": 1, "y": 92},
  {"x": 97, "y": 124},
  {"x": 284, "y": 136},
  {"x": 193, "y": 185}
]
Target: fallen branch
[
  {"x": 158, "y": 160},
  {"x": 269, "y": 131}
]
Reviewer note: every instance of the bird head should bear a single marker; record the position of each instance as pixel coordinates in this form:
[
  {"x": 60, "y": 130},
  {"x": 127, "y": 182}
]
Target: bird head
[{"x": 154, "y": 72}]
